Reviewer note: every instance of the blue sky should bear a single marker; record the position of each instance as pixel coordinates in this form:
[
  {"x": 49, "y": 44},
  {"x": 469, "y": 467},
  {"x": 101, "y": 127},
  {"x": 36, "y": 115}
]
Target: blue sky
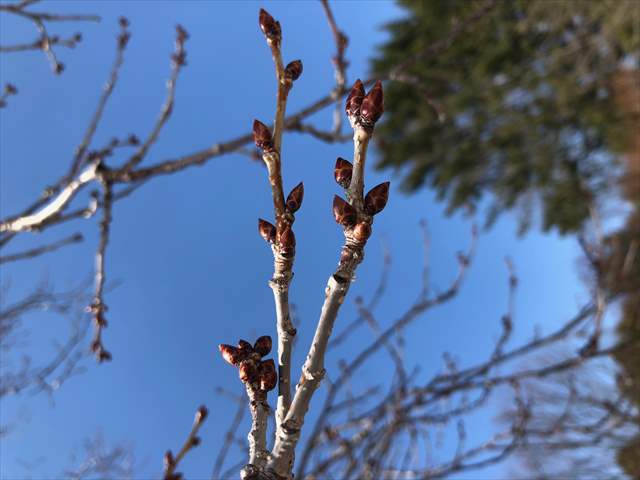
[{"x": 191, "y": 268}]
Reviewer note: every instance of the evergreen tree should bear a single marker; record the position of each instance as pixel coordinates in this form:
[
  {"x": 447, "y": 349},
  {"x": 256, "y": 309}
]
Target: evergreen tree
[{"x": 528, "y": 112}]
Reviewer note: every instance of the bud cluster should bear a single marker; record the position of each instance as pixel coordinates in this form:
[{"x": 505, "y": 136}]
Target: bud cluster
[
  {"x": 252, "y": 369},
  {"x": 364, "y": 109},
  {"x": 282, "y": 237}
]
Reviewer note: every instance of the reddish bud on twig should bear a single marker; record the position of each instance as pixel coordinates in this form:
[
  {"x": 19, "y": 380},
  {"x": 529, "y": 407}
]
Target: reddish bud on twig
[
  {"x": 268, "y": 376},
  {"x": 263, "y": 345},
  {"x": 376, "y": 199},
  {"x": 372, "y": 105},
  {"x": 231, "y": 354},
  {"x": 248, "y": 371},
  {"x": 355, "y": 98},
  {"x": 267, "y": 230},
  {"x": 262, "y": 136},
  {"x": 201, "y": 414},
  {"x": 362, "y": 232},
  {"x": 245, "y": 346},
  {"x": 294, "y": 199},
  {"x": 293, "y": 70},
  {"x": 269, "y": 26},
  {"x": 342, "y": 172},
  {"x": 344, "y": 213},
  {"x": 286, "y": 241}
]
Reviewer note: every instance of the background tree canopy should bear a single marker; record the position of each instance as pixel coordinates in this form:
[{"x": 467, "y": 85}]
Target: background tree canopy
[{"x": 526, "y": 105}]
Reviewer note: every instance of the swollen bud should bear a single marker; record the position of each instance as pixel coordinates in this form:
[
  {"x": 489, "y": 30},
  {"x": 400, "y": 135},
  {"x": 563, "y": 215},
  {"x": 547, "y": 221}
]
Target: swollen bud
[
  {"x": 269, "y": 26},
  {"x": 286, "y": 241},
  {"x": 294, "y": 199},
  {"x": 354, "y": 99},
  {"x": 263, "y": 345},
  {"x": 267, "y": 231},
  {"x": 293, "y": 70},
  {"x": 262, "y": 136},
  {"x": 342, "y": 172},
  {"x": 230, "y": 353},
  {"x": 362, "y": 232},
  {"x": 344, "y": 213},
  {"x": 376, "y": 199},
  {"x": 372, "y": 105},
  {"x": 268, "y": 376},
  {"x": 248, "y": 371},
  {"x": 201, "y": 414},
  {"x": 245, "y": 347}
]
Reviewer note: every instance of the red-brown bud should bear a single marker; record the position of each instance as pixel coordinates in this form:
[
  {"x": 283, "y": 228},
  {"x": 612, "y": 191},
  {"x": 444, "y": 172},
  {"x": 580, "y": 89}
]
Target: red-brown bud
[
  {"x": 372, "y": 105},
  {"x": 269, "y": 26},
  {"x": 245, "y": 346},
  {"x": 169, "y": 461},
  {"x": 286, "y": 241},
  {"x": 201, "y": 414},
  {"x": 342, "y": 172},
  {"x": 293, "y": 70},
  {"x": 262, "y": 136},
  {"x": 267, "y": 231},
  {"x": 354, "y": 99},
  {"x": 248, "y": 371},
  {"x": 231, "y": 354},
  {"x": 362, "y": 232},
  {"x": 294, "y": 199},
  {"x": 263, "y": 345},
  {"x": 268, "y": 376},
  {"x": 344, "y": 213},
  {"x": 376, "y": 199}
]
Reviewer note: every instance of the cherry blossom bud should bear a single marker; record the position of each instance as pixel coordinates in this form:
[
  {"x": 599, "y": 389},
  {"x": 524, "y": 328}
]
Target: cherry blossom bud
[
  {"x": 262, "y": 136},
  {"x": 344, "y": 213},
  {"x": 268, "y": 376},
  {"x": 269, "y": 26},
  {"x": 245, "y": 346},
  {"x": 293, "y": 70},
  {"x": 355, "y": 98},
  {"x": 342, "y": 172},
  {"x": 376, "y": 199},
  {"x": 248, "y": 371},
  {"x": 169, "y": 461},
  {"x": 294, "y": 199},
  {"x": 286, "y": 241},
  {"x": 231, "y": 354},
  {"x": 362, "y": 232},
  {"x": 372, "y": 105},
  {"x": 267, "y": 231},
  {"x": 263, "y": 345},
  {"x": 201, "y": 414}
]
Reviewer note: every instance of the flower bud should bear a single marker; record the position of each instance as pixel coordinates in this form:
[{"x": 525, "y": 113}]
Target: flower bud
[
  {"x": 342, "y": 172},
  {"x": 201, "y": 414},
  {"x": 248, "y": 371},
  {"x": 268, "y": 376},
  {"x": 267, "y": 231},
  {"x": 169, "y": 461},
  {"x": 263, "y": 345},
  {"x": 362, "y": 232},
  {"x": 294, "y": 199},
  {"x": 344, "y": 213},
  {"x": 376, "y": 199},
  {"x": 269, "y": 26},
  {"x": 354, "y": 99},
  {"x": 293, "y": 70},
  {"x": 245, "y": 346},
  {"x": 262, "y": 136},
  {"x": 230, "y": 353},
  {"x": 286, "y": 241},
  {"x": 372, "y": 105}
]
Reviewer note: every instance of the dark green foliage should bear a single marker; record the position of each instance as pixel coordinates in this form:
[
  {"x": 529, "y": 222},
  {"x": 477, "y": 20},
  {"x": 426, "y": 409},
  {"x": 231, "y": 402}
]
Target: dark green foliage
[{"x": 529, "y": 118}]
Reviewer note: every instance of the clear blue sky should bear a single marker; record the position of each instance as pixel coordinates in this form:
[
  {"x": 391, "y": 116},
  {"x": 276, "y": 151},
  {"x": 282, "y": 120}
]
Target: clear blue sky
[{"x": 192, "y": 267}]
